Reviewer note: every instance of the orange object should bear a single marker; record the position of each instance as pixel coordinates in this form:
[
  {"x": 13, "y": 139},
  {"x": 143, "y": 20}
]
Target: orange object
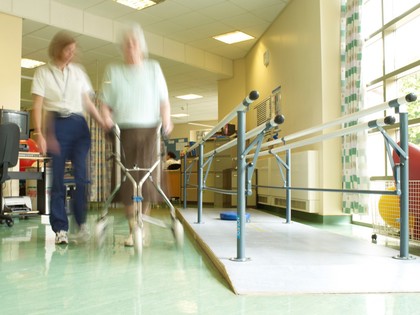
[
  {"x": 413, "y": 162},
  {"x": 389, "y": 209},
  {"x": 33, "y": 147}
]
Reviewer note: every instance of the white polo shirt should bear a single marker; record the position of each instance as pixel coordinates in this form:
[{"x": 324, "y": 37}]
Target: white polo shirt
[{"x": 62, "y": 90}]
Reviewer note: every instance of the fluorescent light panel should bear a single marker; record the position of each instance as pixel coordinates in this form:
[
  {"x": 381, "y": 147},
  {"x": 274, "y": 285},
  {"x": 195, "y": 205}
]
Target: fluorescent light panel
[
  {"x": 30, "y": 63},
  {"x": 189, "y": 96},
  {"x": 138, "y": 4},
  {"x": 233, "y": 37}
]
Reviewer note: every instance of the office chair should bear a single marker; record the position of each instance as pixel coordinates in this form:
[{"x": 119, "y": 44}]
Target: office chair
[
  {"x": 174, "y": 166},
  {"x": 9, "y": 152}
]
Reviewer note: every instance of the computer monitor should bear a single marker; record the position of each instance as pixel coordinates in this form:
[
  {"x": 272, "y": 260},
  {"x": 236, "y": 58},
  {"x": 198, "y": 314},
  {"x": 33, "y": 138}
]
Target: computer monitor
[
  {"x": 228, "y": 129},
  {"x": 20, "y": 118}
]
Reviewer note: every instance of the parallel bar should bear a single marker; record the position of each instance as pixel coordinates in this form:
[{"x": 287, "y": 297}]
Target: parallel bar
[
  {"x": 242, "y": 156},
  {"x": 279, "y": 119},
  {"x": 288, "y": 184},
  {"x": 241, "y": 165},
  {"x": 200, "y": 184},
  {"x": 184, "y": 191},
  {"x": 351, "y": 117},
  {"x": 333, "y": 134},
  {"x": 404, "y": 228},
  {"x": 240, "y": 107},
  {"x": 353, "y": 191},
  {"x": 222, "y": 191}
]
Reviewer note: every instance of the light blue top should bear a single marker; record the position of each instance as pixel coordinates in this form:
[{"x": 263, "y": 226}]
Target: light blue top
[{"x": 135, "y": 93}]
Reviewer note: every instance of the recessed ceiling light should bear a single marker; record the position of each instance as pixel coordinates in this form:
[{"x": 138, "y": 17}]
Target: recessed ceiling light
[
  {"x": 179, "y": 115},
  {"x": 138, "y": 4},
  {"x": 233, "y": 37},
  {"x": 30, "y": 63},
  {"x": 189, "y": 96}
]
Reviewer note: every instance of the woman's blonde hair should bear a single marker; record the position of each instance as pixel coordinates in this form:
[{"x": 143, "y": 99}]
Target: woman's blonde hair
[{"x": 58, "y": 43}]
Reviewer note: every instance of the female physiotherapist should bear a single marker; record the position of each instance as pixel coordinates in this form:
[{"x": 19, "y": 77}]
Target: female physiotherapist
[{"x": 61, "y": 93}]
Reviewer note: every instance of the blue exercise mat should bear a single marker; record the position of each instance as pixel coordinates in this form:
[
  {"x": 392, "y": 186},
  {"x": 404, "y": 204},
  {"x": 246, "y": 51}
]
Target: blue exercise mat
[{"x": 232, "y": 216}]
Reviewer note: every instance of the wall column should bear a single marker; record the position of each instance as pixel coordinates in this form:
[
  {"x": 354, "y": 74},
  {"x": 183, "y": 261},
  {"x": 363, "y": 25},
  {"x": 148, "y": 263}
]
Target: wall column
[
  {"x": 10, "y": 56},
  {"x": 11, "y": 42}
]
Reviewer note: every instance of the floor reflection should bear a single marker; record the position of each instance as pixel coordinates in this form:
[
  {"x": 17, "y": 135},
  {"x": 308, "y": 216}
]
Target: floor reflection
[{"x": 39, "y": 277}]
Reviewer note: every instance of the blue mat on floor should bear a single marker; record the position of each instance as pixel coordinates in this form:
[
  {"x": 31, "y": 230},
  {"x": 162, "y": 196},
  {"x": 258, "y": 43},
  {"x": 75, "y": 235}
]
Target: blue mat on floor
[{"x": 232, "y": 216}]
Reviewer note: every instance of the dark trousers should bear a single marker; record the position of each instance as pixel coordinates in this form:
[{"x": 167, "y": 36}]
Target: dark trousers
[{"x": 73, "y": 136}]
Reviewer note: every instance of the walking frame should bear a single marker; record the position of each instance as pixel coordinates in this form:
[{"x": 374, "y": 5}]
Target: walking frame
[{"x": 175, "y": 225}]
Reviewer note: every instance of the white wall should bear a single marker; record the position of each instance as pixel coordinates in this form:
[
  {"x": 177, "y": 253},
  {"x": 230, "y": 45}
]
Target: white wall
[{"x": 303, "y": 43}]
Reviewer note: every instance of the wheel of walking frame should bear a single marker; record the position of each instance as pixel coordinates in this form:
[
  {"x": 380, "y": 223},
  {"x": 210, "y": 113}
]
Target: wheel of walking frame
[
  {"x": 9, "y": 222},
  {"x": 138, "y": 240},
  {"x": 374, "y": 238},
  {"x": 100, "y": 230},
  {"x": 178, "y": 230}
]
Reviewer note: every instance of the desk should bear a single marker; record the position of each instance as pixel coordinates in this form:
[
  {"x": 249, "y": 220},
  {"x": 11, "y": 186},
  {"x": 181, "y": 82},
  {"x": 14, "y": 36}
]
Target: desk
[
  {"x": 173, "y": 181},
  {"x": 42, "y": 174}
]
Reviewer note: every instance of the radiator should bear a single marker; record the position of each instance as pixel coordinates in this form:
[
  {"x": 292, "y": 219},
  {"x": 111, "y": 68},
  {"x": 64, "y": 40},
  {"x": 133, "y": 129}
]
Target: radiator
[{"x": 304, "y": 174}]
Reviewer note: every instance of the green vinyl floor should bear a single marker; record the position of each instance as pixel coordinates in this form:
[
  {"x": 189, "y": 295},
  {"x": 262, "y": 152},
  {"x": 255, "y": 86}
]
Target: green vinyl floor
[{"x": 38, "y": 277}]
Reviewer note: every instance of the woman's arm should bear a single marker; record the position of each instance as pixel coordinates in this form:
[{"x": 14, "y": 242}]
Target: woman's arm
[
  {"x": 37, "y": 120},
  {"x": 92, "y": 110},
  {"x": 165, "y": 113},
  {"x": 107, "y": 116}
]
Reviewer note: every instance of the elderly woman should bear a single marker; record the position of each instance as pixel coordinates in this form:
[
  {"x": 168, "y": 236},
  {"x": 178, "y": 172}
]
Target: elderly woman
[
  {"x": 135, "y": 97},
  {"x": 61, "y": 94}
]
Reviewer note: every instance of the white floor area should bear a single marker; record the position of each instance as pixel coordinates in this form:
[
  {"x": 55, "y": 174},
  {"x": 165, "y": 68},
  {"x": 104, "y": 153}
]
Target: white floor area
[{"x": 298, "y": 259}]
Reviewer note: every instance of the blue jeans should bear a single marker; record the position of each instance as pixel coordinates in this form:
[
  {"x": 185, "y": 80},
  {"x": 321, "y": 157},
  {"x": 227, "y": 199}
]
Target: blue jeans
[{"x": 73, "y": 136}]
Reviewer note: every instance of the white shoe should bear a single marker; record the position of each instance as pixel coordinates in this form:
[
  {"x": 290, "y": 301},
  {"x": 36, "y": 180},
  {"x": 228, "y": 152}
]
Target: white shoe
[
  {"x": 61, "y": 237},
  {"x": 147, "y": 238},
  {"x": 82, "y": 236},
  {"x": 129, "y": 242}
]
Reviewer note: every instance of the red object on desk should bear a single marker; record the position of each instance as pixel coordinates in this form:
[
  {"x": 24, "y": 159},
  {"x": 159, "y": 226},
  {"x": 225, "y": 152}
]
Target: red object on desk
[{"x": 33, "y": 147}]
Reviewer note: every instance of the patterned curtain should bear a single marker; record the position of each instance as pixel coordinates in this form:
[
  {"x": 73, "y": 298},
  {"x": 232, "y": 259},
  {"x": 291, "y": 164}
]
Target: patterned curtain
[
  {"x": 353, "y": 145},
  {"x": 99, "y": 166}
]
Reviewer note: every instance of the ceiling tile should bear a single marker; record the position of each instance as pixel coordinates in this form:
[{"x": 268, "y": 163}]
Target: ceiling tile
[
  {"x": 192, "y": 19},
  {"x": 222, "y": 10},
  {"x": 81, "y": 4},
  {"x": 269, "y": 13},
  {"x": 198, "y": 4},
  {"x": 167, "y": 10},
  {"x": 190, "y": 22},
  {"x": 109, "y": 9}
]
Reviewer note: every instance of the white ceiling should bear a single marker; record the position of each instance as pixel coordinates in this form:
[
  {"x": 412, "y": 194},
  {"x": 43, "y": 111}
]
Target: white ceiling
[{"x": 190, "y": 22}]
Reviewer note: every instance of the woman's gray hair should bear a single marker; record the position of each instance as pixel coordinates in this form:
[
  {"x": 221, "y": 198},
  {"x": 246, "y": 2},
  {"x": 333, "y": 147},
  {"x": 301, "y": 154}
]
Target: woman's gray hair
[{"x": 134, "y": 30}]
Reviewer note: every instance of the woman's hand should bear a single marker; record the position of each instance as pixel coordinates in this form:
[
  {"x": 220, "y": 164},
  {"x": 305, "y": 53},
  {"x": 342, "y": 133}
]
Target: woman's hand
[
  {"x": 42, "y": 144},
  {"x": 108, "y": 123},
  {"x": 53, "y": 145},
  {"x": 165, "y": 113},
  {"x": 167, "y": 127}
]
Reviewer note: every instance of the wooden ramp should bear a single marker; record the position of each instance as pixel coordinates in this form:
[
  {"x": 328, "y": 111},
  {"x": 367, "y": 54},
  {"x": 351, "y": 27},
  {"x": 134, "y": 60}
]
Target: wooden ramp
[{"x": 298, "y": 259}]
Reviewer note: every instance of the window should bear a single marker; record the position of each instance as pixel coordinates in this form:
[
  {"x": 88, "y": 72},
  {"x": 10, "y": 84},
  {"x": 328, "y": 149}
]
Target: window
[
  {"x": 391, "y": 66},
  {"x": 390, "y": 69}
]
